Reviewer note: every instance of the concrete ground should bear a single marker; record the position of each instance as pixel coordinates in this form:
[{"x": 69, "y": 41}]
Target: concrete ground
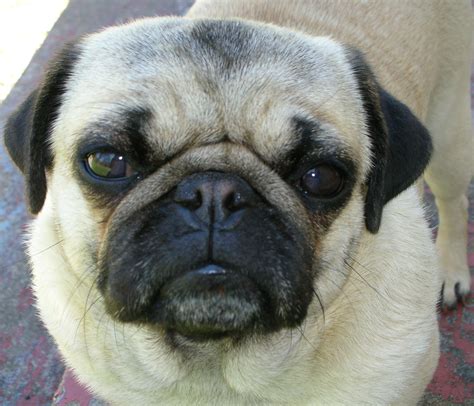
[{"x": 30, "y": 368}]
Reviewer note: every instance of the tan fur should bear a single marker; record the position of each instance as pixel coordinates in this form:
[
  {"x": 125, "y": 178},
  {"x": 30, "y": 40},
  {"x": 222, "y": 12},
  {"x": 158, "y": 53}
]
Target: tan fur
[
  {"x": 377, "y": 342},
  {"x": 421, "y": 51}
]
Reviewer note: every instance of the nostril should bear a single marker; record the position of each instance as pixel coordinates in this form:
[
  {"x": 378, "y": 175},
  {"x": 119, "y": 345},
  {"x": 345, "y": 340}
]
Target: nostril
[
  {"x": 234, "y": 201},
  {"x": 214, "y": 197},
  {"x": 190, "y": 198}
]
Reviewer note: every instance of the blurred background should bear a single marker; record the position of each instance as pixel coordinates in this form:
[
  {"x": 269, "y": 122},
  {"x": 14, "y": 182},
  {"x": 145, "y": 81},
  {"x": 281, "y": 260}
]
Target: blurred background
[{"x": 17, "y": 44}]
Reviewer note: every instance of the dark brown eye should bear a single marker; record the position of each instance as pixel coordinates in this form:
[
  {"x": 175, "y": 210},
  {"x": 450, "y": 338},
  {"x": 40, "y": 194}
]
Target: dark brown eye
[
  {"x": 322, "y": 181},
  {"x": 109, "y": 165}
]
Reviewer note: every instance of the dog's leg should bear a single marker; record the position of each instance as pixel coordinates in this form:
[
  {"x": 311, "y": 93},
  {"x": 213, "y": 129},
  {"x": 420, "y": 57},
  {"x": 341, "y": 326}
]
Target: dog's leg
[{"x": 449, "y": 174}]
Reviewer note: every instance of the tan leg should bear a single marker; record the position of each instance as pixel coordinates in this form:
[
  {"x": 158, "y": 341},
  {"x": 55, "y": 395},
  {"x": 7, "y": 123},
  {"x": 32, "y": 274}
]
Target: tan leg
[{"x": 448, "y": 176}]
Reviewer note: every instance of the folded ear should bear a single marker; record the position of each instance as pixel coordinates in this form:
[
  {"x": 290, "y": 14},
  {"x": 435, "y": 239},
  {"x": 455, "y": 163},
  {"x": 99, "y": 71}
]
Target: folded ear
[
  {"x": 28, "y": 129},
  {"x": 400, "y": 144}
]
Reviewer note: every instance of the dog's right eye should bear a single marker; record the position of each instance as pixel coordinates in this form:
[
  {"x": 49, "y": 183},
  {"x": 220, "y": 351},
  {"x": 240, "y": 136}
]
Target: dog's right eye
[{"x": 109, "y": 165}]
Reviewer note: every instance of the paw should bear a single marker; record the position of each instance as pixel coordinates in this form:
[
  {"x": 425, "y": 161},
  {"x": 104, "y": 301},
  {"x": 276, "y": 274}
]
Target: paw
[{"x": 456, "y": 289}]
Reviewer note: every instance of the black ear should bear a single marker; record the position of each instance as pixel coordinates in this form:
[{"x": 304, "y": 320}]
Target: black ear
[
  {"x": 401, "y": 145},
  {"x": 28, "y": 129}
]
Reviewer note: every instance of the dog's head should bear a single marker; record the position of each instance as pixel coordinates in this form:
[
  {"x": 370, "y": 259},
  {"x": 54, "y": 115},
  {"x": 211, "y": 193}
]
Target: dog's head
[{"x": 213, "y": 176}]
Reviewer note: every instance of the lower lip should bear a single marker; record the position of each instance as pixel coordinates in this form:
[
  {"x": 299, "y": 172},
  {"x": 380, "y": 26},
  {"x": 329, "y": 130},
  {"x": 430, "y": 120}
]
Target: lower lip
[
  {"x": 208, "y": 302},
  {"x": 210, "y": 270}
]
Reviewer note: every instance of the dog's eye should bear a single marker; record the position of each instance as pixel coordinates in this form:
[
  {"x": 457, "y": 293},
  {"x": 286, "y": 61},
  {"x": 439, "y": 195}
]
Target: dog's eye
[
  {"x": 322, "y": 181},
  {"x": 109, "y": 165}
]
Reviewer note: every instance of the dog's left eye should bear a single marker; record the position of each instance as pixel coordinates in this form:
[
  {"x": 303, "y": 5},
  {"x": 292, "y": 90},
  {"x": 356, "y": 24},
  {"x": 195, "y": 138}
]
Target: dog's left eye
[
  {"x": 322, "y": 181},
  {"x": 109, "y": 165}
]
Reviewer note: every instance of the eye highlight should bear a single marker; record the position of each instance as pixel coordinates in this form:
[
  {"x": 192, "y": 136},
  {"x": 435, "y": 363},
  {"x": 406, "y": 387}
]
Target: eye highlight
[
  {"x": 323, "y": 181},
  {"x": 108, "y": 165}
]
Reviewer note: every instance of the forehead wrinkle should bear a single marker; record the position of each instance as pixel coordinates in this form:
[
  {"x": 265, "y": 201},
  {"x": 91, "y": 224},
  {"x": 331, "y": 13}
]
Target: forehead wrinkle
[
  {"x": 125, "y": 131},
  {"x": 197, "y": 110},
  {"x": 313, "y": 136},
  {"x": 185, "y": 113},
  {"x": 256, "y": 110}
]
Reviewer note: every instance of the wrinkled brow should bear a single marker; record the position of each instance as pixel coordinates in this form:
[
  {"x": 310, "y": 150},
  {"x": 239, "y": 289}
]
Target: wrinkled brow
[
  {"x": 125, "y": 131},
  {"x": 313, "y": 143}
]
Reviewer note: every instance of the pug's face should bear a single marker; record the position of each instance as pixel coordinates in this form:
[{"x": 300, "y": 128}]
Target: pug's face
[{"x": 210, "y": 179}]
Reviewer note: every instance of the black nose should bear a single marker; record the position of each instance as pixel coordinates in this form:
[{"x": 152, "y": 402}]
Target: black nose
[{"x": 215, "y": 197}]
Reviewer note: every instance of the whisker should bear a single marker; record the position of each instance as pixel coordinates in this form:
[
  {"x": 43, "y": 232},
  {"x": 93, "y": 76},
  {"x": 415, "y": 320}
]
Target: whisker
[
  {"x": 306, "y": 339},
  {"x": 348, "y": 300},
  {"x": 47, "y": 248},
  {"x": 115, "y": 334},
  {"x": 84, "y": 317},
  {"x": 320, "y": 303},
  {"x": 360, "y": 275}
]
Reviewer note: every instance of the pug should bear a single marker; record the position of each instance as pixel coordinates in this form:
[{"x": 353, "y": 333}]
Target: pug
[{"x": 226, "y": 203}]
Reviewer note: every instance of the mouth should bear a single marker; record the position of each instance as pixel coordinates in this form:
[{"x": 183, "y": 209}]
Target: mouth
[
  {"x": 210, "y": 259},
  {"x": 209, "y": 302}
]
